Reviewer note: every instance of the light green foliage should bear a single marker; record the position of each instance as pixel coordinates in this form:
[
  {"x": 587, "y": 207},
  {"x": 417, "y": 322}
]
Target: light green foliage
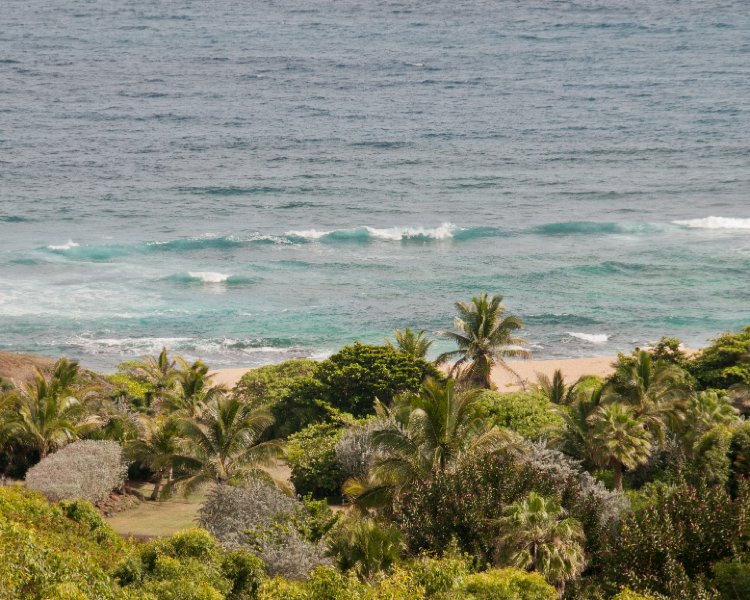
[
  {"x": 136, "y": 392},
  {"x": 43, "y": 549},
  {"x": 529, "y": 413},
  {"x": 725, "y": 362},
  {"x": 409, "y": 342},
  {"x": 273, "y": 382},
  {"x": 311, "y": 455},
  {"x": 508, "y": 584},
  {"x": 190, "y": 565},
  {"x": 732, "y": 578}
]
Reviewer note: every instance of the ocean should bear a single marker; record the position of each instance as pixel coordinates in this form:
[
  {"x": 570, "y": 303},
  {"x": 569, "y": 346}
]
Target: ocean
[{"x": 251, "y": 181}]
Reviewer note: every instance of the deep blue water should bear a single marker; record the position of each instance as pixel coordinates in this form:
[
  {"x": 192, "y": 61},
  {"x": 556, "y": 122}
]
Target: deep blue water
[{"x": 245, "y": 181}]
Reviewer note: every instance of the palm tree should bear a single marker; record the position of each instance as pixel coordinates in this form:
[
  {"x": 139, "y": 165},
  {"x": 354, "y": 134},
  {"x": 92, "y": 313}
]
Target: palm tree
[
  {"x": 431, "y": 432},
  {"x": 192, "y": 391},
  {"x": 704, "y": 411},
  {"x": 46, "y": 414},
  {"x": 159, "y": 372},
  {"x": 223, "y": 443},
  {"x": 540, "y": 537},
  {"x": 159, "y": 450},
  {"x": 620, "y": 438},
  {"x": 555, "y": 389},
  {"x": 576, "y": 438},
  {"x": 655, "y": 391},
  {"x": 416, "y": 345},
  {"x": 485, "y": 338},
  {"x": 366, "y": 548}
]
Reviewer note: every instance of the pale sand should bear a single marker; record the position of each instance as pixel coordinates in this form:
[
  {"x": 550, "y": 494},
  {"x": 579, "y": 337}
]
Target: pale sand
[{"x": 572, "y": 369}]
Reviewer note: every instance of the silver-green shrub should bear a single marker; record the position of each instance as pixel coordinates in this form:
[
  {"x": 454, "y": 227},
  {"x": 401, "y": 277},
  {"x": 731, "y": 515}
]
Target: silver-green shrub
[{"x": 87, "y": 469}]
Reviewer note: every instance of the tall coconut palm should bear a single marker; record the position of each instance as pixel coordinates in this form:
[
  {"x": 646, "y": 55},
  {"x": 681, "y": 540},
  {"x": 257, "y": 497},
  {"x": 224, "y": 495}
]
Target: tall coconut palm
[
  {"x": 656, "y": 391},
  {"x": 159, "y": 372},
  {"x": 159, "y": 449},
  {"x": 485, "y": 338},
  {"x": 46, "y": 415},
  {"x": 411, "y": 343},
  {"x": 539, "y": 536},
  {"x": 432, "y": 432},
  {"x": 620, "y": 438},
  {"x": 223, "y": 444},
  {"x": 192, "y": 391}
]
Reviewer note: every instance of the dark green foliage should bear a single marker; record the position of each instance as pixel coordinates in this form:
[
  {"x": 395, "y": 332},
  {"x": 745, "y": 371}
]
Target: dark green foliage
[
  {"x": 528, "y": 413},
  {"x": 311, "y": 454},
  {"x": 739, "y": 456},
  {"x": 467, "y": 503},
  {"x": 365, "y": 547},
  {"x": 726, "y": 362},
  {"x": 354, "y": 377},
  {"x": 667, "y": 545},
  {"x": 732, "y": 578},
  {"x": 313, "y": 519}
]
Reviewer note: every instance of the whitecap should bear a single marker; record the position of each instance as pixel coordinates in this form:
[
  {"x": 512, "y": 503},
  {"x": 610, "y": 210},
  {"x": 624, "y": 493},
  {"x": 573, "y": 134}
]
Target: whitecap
[
  {"x": 443, "y": 232},
  {"x": 68, "y": 246},
  {"x": 715, "y": 223},
  {"x": 208, "y": 276},
  {"x": 593, "y": 338},
  {"x": 307, "y": 234}
]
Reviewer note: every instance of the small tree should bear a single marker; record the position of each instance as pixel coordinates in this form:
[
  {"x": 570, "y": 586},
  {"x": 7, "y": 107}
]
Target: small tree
[
  {"x": 87, "y": 469},
  {"x": 365, "y": 547}
]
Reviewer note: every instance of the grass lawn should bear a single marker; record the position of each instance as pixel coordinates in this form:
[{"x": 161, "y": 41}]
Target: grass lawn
[{"x": 157, "y": 518}]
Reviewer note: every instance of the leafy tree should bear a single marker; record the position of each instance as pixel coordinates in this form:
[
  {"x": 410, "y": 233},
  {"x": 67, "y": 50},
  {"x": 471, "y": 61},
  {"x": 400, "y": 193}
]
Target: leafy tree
[
  {"x": 411, "y": 343},
  {"x": 435, "y": 430},
  {"x": 45, "y": 415},
  {"x": 668, "y": 544},
  {"x": 159, "y": 449},
  {"x": 223, "y": 443},
  {"x": 272, "y": 383},
  {"x": 725, "y": 362},
  {"x": 311, "y": 455},
  {"x": 539, "y": 536},
  {"x": 620, "y": 439},
  {"x": 365, "y": 547},
  {"x": 485, "y": 337}
]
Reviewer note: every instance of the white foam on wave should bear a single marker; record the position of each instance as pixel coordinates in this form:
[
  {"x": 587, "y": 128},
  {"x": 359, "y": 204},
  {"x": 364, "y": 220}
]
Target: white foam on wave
[
  {"x": 593, "y": 338},
  {"x": 209, "y": 276},
  {"x": 68, "y": 246},
  {"x": 715, "y": 223},
  {"x": 444, "y": 231}
]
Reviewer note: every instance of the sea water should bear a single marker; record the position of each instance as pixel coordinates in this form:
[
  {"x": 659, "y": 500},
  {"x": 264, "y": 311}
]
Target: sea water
[{"x": 250, "y": 181}]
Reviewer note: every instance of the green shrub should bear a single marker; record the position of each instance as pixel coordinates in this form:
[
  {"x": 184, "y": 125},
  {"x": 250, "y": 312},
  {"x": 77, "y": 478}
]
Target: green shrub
[
  {"x": 725, "y": 362},
  {"x": 732, "y": 578},
  {"x": 45, "y": 554},
  {"x": 365, "y": 547},
  {"x": 508, "y": 584},
  {"x": 628, "y": 594},
  {"x": 190, "y": 565},
  {"x": 528, "y": 413},
  {"x": 273, "y": 382},
  {"x": 311, "y": 455}
]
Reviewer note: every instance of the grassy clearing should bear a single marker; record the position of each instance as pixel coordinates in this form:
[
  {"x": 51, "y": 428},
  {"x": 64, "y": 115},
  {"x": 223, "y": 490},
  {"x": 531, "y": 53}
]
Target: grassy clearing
[{"x": 158, "y": 518}]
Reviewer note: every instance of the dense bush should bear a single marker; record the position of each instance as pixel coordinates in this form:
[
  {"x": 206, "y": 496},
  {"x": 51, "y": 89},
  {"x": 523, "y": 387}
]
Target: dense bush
[
  {"x": 273, "y": 382},
  {"x": 668, "y": 544},
  {"x": 190, "y": 565},
  {"x": 87, "y": 469},
  {"x": 731, "y": 577},
  {"x": 508, "y": 584},
  {"x": 262, "y": 519},
  {"x": 725, "y": 362},
  {"x": 53, "y": 551},
  {"x": 528, "y": 413},
  {"x": 311, "y": 455},
  {"x": 466, "y": 504},
  {"x": 355, "y": 451},
  {"x": 365, "y": 547}
]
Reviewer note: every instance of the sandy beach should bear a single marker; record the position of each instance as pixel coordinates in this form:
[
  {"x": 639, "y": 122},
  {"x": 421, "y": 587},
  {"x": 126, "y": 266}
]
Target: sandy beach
[{"x": 572, "y": 369}]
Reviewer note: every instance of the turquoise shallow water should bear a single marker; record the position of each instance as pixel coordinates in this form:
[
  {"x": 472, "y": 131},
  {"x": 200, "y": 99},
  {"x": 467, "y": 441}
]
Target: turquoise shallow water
[{"x": 250, "y": 181}]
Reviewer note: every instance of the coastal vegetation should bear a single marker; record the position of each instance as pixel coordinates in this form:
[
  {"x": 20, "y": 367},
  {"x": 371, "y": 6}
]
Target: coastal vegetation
[{"x": 407, "y": 478}]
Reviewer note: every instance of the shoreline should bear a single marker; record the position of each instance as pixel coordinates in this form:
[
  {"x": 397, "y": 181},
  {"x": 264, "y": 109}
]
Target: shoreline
[{"x": 572, "y": 369}]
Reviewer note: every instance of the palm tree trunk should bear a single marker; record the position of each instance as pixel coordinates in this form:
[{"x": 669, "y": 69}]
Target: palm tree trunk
[
  {"x": 618, "y": 475},
  {"x": 157, "y": 486}
]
